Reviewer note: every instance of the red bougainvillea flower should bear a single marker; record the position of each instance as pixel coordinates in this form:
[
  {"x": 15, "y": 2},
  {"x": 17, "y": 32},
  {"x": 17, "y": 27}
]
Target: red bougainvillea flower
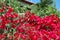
[
  {"x": 1, "y": 10},
  {"x": 29, "y": 26},
  {"x": 10, "y": 9}
]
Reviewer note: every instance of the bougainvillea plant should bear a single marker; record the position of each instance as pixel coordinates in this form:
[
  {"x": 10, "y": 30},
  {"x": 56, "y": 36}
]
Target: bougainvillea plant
[{"x": 28, "y": 27}]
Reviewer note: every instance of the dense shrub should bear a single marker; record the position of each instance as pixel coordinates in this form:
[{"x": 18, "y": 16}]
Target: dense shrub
[
  {"x": 28, "y": 27},
  {"x": 45, "y": 7}
]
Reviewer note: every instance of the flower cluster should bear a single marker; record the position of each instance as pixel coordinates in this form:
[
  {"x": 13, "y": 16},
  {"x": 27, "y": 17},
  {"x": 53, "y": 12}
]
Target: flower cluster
[{"x": 29, "y": 26}]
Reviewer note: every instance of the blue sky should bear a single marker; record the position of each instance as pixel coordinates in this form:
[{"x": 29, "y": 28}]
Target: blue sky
[
  {"x": 34, "y": 1},
  {"x": 57, "y": 3}
]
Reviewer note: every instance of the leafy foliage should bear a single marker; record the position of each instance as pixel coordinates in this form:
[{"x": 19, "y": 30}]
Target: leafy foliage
[
  {"x": 45, "y": 7},
  {"x": 15, "y": 4}
]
